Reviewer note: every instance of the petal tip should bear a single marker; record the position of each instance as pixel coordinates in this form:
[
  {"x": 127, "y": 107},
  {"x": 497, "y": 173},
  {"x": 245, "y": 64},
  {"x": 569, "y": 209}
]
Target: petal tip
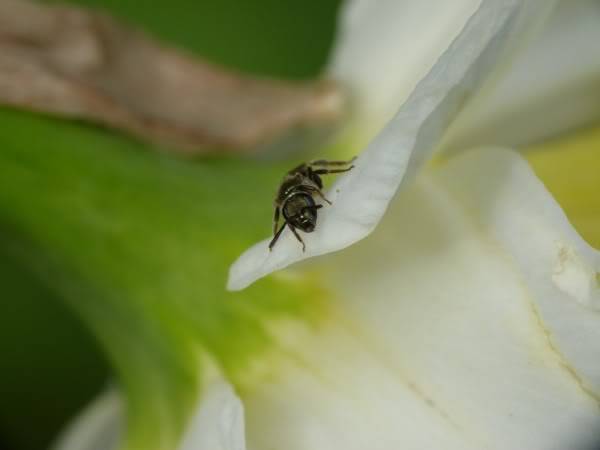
[{"x": 242, "y": 272}]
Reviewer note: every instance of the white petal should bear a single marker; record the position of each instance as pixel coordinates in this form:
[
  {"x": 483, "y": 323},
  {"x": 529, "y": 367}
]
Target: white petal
[
  {"x": 552, "y": 86},
  {"x": 218, "y": 423},
  {"x": 384, "y": 48},
  {"x": 448, "y": 329},
  {"x": 98, "y": 427},
  {"x": 561, "y": 271},
  {"x": 362, "y": 195}
]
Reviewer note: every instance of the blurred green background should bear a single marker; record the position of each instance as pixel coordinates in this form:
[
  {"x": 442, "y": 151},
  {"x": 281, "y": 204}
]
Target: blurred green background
[{"x": 50, "y": 367}]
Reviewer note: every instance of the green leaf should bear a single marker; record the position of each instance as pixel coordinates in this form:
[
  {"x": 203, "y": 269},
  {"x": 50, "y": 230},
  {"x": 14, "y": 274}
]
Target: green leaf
[
  {"x": 136, "y": 243},
  {"x": 139, "y": 245},
  {"x": 50, "y": 366}
]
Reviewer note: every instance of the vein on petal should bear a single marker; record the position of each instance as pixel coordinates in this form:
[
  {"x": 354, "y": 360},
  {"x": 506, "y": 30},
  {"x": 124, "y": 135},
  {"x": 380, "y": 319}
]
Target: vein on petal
[
  {"x": 563, "y": 362},
  {"x": 355, "y": 336},
  {"x": 484, "y": 228}
]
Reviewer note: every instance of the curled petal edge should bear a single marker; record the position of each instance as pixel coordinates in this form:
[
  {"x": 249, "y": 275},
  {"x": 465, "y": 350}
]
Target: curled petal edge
[
  {"x": 361, "y": 197},
  {"x": 559, "y": 268}
]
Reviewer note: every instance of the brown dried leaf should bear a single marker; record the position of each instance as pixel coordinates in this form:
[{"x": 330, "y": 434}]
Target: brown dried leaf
[{"x": 82, "y": 64}]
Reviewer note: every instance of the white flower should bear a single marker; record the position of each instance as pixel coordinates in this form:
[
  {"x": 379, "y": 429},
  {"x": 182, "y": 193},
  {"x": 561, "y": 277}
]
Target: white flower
[
  {"x": 218, "y": 423},
  {"x": 470, "y": 318}
]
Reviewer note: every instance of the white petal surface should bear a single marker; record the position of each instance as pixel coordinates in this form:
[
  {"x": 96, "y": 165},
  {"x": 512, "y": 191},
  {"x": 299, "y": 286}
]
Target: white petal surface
[
  {"x": 384, "y": 48},
  {"x": 218, "y": 423},
  {"x": 561, "y": 271},
  {"x": 99, "y": 427},
  {"x": 450, "y": 331},
  {"x": 552, "y": 86},
  {"x": 361, "y": 196}
]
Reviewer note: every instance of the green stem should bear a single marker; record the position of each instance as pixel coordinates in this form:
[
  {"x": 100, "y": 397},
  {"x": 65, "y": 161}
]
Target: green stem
[{"x": 139, "y": 245}]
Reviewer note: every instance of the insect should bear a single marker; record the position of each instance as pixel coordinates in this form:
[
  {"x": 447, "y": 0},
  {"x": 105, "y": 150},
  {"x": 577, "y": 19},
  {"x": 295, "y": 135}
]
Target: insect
[{"x": 295, "y": 198}]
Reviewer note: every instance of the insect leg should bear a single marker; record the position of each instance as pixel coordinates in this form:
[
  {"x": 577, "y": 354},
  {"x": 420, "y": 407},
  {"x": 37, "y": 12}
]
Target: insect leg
[
  {"x": 297, "y": 236},
  {"x": 275, "y": 220},
  {"x": 320, "y": 194},
  {"x": 325, "y": 163},
  {"x": 326, "y": 171},
  {"x": 317, "y": 191},
  {"x": 272, "y": 243}
]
